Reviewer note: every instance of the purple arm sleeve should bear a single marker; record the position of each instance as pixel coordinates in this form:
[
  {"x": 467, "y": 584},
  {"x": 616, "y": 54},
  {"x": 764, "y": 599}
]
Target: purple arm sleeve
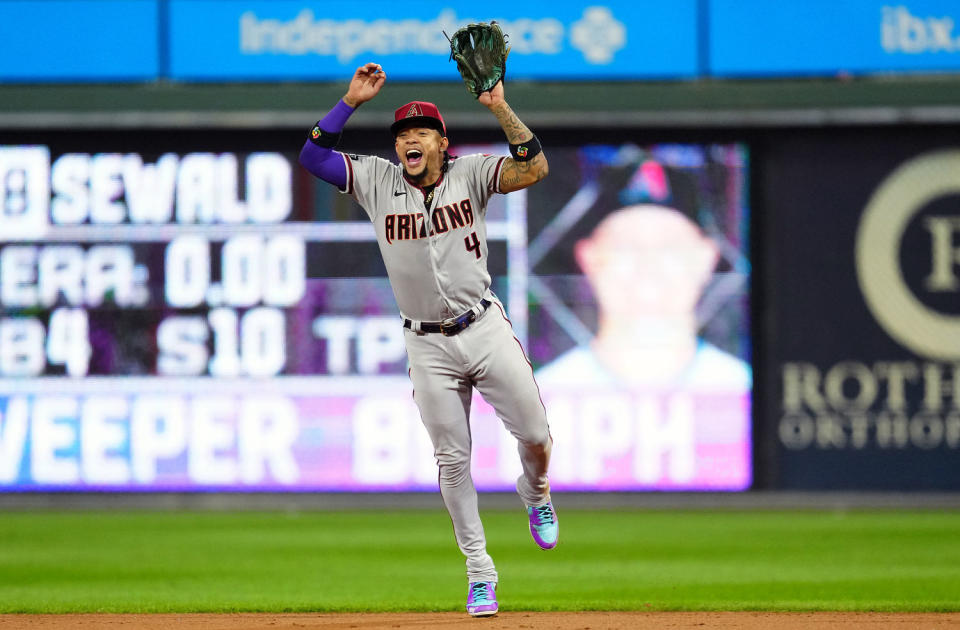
[{"x": 325, "y": 163}]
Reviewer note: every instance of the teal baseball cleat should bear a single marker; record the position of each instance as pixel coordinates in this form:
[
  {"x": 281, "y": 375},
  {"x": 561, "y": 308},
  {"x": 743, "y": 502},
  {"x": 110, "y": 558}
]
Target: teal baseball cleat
[
  {"x": 482, "y": 599},
  {"x": 543, "y": 525}
]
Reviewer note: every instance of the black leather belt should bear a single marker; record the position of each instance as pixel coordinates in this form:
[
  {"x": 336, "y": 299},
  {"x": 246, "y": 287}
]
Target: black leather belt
[{"x": 452, "y": 326}]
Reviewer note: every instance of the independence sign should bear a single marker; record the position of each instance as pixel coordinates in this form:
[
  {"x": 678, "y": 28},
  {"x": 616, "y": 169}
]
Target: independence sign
[{"x": 297, "y": 40}]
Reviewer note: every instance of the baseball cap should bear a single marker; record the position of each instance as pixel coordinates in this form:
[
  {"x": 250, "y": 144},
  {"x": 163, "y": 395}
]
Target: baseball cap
[{"x": 418, "y": 114}]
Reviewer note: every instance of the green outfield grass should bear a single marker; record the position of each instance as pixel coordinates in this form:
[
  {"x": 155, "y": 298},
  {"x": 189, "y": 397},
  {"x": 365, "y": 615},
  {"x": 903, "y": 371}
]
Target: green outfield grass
[{"x": 392, "y": 561}]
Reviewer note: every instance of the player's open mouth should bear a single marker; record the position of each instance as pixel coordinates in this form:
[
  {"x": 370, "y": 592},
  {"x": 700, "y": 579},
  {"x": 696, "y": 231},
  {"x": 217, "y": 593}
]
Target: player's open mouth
[{"x": 414, "y": 157}]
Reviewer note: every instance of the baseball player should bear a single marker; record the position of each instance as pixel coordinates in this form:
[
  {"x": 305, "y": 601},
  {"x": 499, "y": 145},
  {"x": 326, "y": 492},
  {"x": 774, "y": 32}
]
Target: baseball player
[{"x": 429, "y": 213}]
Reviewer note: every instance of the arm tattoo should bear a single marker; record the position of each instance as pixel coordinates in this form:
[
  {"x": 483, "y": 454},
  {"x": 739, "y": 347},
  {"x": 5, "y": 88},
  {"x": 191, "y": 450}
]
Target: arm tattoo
[
  {"x": 522, "y": 174},
  {"x": 516, "y": 131},
  {"x": 516, "y": 175}
]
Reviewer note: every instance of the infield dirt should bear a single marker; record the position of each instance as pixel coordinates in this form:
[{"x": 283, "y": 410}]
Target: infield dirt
[{"x": 524, "y": 620}]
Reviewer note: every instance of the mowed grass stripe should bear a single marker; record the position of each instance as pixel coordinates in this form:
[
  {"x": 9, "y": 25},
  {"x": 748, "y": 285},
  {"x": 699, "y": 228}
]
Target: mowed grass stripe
[{"x": 407, "y": 560}]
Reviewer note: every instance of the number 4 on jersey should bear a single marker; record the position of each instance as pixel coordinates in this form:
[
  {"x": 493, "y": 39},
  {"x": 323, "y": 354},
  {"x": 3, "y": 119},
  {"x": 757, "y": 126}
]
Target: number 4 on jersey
[{"x": 472, "y": 243}]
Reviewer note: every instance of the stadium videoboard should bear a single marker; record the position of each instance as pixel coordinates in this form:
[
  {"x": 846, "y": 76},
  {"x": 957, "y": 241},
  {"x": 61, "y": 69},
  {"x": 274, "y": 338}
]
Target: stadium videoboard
[{"x": 217, "y": 319}]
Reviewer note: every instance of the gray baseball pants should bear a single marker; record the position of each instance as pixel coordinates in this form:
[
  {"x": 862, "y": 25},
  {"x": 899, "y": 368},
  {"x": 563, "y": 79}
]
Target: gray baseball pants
[{"x": 444, "y": 371}]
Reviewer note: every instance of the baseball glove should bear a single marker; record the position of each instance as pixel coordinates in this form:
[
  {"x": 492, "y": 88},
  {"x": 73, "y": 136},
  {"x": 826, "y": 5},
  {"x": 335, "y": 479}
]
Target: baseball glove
[{"x": 480, "y": 51}]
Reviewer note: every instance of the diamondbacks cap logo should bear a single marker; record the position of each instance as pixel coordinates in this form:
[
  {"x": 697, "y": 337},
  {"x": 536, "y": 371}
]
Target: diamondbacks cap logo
[
  {"x": 892, "y": 302},
  {"x": 418, "y": 114}
]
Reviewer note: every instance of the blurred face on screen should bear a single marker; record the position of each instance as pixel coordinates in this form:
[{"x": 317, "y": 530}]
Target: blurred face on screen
[
  {"x": 647, "y": 262},
  {"x": 420, "y": 150}
]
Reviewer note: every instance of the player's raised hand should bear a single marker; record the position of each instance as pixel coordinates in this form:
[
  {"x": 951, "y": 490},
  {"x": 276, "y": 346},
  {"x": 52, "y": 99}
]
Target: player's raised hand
[
  {"x": 492, "y": 96},
  {"x": 365, "y": 84}
]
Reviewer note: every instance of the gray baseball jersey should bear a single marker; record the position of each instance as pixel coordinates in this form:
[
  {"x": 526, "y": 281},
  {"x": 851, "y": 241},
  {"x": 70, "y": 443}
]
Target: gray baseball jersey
[{"x": 437, "y": 263}]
